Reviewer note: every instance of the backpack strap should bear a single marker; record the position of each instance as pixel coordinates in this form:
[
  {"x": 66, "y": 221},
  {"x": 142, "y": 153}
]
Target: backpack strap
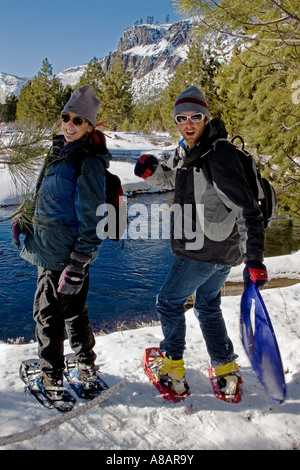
[
  {"x": 202, "y": 162},
  {"x": 240, "y": 138}
]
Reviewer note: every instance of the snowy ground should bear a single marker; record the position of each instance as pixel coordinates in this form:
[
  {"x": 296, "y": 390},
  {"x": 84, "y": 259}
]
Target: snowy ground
[{"x": 137, "y": 418}]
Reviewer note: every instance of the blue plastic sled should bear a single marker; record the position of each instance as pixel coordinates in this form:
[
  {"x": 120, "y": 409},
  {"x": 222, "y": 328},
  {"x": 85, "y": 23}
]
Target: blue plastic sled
[{"x": 260, "y": 343}]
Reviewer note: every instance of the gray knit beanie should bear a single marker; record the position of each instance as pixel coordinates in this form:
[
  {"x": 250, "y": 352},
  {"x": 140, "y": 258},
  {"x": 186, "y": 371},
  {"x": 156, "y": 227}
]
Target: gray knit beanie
[
  {"x": 84, "y": 103},
  {"x": 191, "y": 99}
]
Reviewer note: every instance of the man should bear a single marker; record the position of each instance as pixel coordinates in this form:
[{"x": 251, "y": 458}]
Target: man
[{"x": 214, "y": 196}]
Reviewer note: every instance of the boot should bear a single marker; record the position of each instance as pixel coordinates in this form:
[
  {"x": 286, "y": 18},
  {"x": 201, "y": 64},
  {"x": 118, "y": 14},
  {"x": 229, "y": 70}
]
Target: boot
[
  {"x": 87, "y": 374},
  {"x": 52, "y": 383},
  {"x": 171, "y": 373}
]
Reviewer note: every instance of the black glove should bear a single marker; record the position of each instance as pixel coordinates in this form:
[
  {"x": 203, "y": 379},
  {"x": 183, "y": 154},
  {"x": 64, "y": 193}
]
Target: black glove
[
  {"x": 145, "y": 166},
  {"x": 255, "y": 271},
  {"x": 72, "y": 277}
]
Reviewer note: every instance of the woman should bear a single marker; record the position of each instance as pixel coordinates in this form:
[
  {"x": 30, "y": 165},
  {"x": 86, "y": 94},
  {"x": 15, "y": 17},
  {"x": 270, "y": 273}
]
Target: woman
[{"x": 63, "y": 241}]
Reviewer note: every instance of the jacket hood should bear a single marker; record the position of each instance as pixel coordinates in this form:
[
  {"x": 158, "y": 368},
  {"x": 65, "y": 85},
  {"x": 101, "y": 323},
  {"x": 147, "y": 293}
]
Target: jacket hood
[{"x": 215, "y": 129}]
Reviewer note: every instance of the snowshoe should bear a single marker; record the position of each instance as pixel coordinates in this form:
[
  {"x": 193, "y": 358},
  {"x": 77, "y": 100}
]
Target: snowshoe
[
  {"x": 227, "y": 387},
  {"x": 164, "y": 384},
  {"x": 58, "y": 397},
  {"x": 84, "y": 380}
]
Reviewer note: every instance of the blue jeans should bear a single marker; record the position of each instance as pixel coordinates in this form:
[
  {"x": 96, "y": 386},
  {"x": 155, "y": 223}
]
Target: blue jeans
[{"x": 185, "y": 277}]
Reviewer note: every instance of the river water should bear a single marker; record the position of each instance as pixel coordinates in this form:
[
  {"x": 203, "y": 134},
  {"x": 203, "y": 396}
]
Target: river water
[{"x": 124, "y": 280}]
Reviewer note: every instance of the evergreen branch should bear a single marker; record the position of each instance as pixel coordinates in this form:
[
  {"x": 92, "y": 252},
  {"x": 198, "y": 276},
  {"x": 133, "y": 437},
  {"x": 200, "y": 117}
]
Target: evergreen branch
[
  {"x": 12, "y": 216},
  {"x": 284, "y": 10},
  {"x": 284, "y": 187},
  {"x": 245, "y": 23},
  {"x": 260, "y": 23},
  {"x": 291, "y": 127},
  {"x": 284, "y": 40},
  {"x": 217, "y": 27},
  {"x": 269, "y": 64},
  {"x": 280, "y": 7},
  {"x": 23, "y": 155},
  {"x": 294, "y": 212},
  {"x": 220, "y": 29},
  {"x": 289, "y": 157},
  {"x": 286, "y": 114},
  {"x": 17, "y": 146}
]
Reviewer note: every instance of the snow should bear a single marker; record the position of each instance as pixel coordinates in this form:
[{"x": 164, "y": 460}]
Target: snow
[
  {"x": 10, "y": 84},
  {"x": 72, "y": 75},
  {"x": 137, "y": 418},
  {"x": 157, "y": 48},
  {"x": 8, "y": 193}
]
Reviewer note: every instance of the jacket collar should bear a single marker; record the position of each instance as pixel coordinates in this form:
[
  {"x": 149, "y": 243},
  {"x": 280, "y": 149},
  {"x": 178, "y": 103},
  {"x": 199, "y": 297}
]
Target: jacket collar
[{"x": 60, "y": 148}]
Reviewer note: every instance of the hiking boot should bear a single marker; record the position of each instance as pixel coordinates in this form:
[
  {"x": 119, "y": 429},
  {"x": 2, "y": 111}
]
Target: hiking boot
[
  {"x": 170, "y": 373},
  {"x": 227, "y": 377},
  {"x": 52, "y": 383},
  {"x": 87, "y": 374}
]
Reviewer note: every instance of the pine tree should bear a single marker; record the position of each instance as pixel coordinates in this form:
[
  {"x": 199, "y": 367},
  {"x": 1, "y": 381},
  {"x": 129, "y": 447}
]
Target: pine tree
[
  {"x": 62, "y": 97},
  {"x": 40, "y": 99},
  {"x": 9, "y": 109},
  {"x": 147, "y": 116},
  {"x": 25, "y": 103},
  {"x": 93, "y": 76},
  {"x": 116, "y": 95},
  {"x": 254, "y": 24},
  {"x": 257, "y": 103}
]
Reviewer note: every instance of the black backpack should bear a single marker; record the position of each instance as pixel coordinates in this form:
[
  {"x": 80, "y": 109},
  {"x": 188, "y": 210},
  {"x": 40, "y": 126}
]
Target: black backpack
[
  {"x": 262, "y": 189},
  {"x": 114, "y": 195}
]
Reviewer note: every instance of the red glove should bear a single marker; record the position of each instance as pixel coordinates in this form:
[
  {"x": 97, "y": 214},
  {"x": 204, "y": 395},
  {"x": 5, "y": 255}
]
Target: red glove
[
  {"x": 145, "y": 166},
  {"x": 255, "y": 271}
]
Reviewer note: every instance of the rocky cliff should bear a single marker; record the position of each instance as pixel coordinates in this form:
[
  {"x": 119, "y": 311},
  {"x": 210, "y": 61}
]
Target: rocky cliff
[
  {"x": 147, "y": 47},
  {"x": 152, "y": 53}
]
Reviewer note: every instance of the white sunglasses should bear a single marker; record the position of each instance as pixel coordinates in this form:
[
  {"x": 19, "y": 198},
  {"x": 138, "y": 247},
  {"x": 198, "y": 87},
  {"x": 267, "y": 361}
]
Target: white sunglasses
[{"x": 182, "y": 119}]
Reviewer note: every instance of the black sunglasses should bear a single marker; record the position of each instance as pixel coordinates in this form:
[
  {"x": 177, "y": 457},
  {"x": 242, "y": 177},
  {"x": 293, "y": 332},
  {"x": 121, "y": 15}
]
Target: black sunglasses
[{"x": 77, "y": 121}]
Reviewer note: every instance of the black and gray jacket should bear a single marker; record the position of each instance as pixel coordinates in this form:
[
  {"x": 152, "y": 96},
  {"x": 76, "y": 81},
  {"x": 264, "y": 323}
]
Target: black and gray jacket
[{"x": 216, "y": 218}]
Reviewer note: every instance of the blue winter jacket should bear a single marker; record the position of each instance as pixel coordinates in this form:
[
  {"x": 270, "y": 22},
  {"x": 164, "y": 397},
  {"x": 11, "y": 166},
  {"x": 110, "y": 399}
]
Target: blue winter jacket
[{"x": 72, "y": 187}]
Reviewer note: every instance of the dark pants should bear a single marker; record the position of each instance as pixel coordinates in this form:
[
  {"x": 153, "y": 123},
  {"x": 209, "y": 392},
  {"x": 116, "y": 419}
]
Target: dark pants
[{"x": 56, "y": 313}]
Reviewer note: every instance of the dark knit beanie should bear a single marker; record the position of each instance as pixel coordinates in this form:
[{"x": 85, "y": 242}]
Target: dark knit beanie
[
  {"x": 191, "y": 99},
  {"x": 84, "y": 103}
]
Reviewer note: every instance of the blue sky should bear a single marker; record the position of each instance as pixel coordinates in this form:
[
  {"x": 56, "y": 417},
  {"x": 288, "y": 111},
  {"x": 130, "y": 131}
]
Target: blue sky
[{"x": 68, "y": 32}]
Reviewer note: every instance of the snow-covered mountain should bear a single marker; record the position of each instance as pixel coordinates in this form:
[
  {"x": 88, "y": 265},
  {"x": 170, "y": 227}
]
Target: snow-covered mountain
[
  {"x": 10, "y": 84},
  {"x": 151, "y": 52},
  {"x": 72, "y": 75}
]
